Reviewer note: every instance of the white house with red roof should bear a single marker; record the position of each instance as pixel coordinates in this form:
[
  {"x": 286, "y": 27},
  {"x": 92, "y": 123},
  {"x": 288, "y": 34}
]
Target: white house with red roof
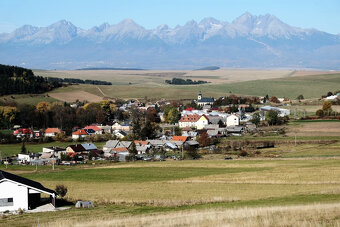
[
  {"x": 95, "y": 128},
  {"x": 52, "y": 132},
  {"x": 193, "y": 120},
  {"x": 80, "y": 134}
]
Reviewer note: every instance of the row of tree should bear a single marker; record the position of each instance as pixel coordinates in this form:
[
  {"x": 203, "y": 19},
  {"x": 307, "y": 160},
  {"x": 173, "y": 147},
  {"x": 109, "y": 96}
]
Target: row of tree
[
  {"x": 77, "y": 81},
  {"x": 179, "y": 81}
]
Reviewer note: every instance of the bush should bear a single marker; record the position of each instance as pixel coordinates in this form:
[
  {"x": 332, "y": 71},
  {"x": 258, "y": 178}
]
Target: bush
[
  {"x": 20, "y": 211},
  {"x": 61, "y": 190},
  {"x": 319, "y": 113},
  {"x": 243, "y": 153}
]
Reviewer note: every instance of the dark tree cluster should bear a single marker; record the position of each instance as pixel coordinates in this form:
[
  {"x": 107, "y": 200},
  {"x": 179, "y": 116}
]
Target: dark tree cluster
[
  {"x": 179, "y": 81},
  {"x": 59, "y": 115},
  {"x": 233, "y": 100},
  {"x": 77, "y": 81},
  {"x": 18, "y": 80}
]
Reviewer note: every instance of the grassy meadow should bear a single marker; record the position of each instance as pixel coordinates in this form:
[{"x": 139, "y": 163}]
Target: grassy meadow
[
  {"x": 137, "y": 84},
  {"x": 124, "y": 193}
]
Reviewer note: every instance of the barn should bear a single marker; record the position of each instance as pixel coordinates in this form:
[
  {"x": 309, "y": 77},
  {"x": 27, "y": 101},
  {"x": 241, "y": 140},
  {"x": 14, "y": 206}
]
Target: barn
[{"x": 19, "y": 192}]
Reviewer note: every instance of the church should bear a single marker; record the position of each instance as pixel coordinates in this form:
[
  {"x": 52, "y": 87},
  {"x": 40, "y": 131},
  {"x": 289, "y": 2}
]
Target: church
[{"x": 201, "y": 101}]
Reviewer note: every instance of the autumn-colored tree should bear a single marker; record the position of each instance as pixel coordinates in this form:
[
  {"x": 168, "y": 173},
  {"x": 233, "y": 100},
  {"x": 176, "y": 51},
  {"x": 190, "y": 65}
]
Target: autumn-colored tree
[
  {"x": 173, "y": 116},
  {"x": 105, "y": 105},
  {"x": 319, "y": 113},
  {"x": 43, "y": 107},
  {"x": 204, "y": 139},
  {"x": 327, "y": 106},
  {"x": 274, "y": 99}
]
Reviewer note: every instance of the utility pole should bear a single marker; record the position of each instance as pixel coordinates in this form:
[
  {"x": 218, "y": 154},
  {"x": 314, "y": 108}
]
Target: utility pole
[
  {"x": 0, "y": 158},
  {"x": 182, "y": 151}
]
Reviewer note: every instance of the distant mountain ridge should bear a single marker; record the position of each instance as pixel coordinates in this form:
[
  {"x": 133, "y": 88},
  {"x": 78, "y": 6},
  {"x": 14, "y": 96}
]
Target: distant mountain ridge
[{"x": 249, "y": 41}]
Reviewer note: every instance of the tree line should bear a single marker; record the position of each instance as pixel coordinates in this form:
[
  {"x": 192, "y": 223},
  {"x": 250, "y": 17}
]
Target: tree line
[
  {"x": 179, "y": 81},
  {"x": 77, "y": 81},
  {"x": 18, "y": 80}
]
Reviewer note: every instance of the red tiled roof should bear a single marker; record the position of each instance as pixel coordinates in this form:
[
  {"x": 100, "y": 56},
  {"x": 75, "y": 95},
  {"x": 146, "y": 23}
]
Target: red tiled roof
[
  {"x": 179, "y": 138},
  {"x": 94, "y": 127},
  {"x": 190, "y": 118},
  {"x": 141, "y": 142},
  {"x": 120, "y": 149},
  {"x": 80, "y": 132},
  {"x": 52, "y": 130}
]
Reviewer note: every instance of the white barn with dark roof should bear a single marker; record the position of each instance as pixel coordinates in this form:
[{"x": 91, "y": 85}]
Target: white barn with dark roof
[{"x": 18, "y": 192}]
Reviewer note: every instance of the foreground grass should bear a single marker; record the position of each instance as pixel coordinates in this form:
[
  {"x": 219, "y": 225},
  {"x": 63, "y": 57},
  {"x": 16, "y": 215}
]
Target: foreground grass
[
  {"x": 306, "y": 215},
  {"x": 130, "y": 191}
]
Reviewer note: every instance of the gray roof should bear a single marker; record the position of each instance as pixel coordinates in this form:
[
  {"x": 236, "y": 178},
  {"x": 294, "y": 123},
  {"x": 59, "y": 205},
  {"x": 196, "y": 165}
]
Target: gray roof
[
  {"x": 112, "y": 143},
  {"x": 215, "y": 119},
  {"x": 235, "y": 129},
  {"x": 158, "y": 142},
  {"x": 212, "y": 132},
  {"x": 126, "y": 143},
  {"x": 89, "y": 146},
  {"x": 171, "y": 145},
  {"x": 206, "y": 100},
  {"x": 192, "y": 142}
]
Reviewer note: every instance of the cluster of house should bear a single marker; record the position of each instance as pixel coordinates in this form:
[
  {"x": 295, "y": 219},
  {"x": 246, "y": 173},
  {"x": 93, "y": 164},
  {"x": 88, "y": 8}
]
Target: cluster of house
[{"x": 112, "y": 150}]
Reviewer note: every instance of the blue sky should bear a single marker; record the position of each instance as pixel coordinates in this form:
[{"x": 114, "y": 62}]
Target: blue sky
[{"x": 320, "y": 14}]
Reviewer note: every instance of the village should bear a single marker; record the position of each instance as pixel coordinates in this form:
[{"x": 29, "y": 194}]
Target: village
[{"x": 191, "y": 129}]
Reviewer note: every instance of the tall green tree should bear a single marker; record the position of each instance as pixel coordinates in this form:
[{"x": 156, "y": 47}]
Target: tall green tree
[{"x": 272, "y": 117}]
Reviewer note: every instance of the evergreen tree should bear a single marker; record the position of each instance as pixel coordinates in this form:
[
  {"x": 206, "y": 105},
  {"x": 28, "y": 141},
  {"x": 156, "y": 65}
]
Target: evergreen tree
[{"x": 23, "y": 148}]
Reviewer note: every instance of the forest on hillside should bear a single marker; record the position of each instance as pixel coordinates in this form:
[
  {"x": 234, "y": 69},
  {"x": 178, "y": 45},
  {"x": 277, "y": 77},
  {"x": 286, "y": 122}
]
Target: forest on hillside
[{"x": 18, "y": 80}]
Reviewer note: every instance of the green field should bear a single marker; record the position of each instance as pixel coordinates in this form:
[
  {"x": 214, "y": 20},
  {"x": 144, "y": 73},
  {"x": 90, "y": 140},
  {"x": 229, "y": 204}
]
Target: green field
[
  {"x": 132, "y": 189},
  {"x": 28, "y": 99},
  {"x": 138, "y": 84},
  {"x": 309, "y": 86},
  {"x": 223, "y": 82}
]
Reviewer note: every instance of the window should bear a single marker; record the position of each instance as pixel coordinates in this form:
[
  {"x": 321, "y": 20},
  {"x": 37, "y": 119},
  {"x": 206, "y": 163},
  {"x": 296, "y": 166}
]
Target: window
[{"x": 6, "y": 202}]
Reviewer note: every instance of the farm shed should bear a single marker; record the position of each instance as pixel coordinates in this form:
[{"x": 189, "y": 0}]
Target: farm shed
[{"x": 19, "y": 192}]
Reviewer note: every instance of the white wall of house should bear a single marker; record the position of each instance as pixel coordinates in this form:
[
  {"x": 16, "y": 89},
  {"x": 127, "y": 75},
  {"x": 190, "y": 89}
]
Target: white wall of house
[
  {"x": 233, "y": 120},
  {"x": 75, "y": 137},
  {"x": 19, "y": 193},
  {"x": 183, "y": 124},
  {"x": 52, "y": 134},
  {"x": 24, "y": 157}
]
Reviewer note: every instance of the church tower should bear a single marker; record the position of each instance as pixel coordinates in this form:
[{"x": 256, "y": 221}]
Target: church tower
[{"x": 199, "y": 97}]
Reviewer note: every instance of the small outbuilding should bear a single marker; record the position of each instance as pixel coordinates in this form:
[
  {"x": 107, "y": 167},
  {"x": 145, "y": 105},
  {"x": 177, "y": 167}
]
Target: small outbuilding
[{"x": 19, "y": 192}]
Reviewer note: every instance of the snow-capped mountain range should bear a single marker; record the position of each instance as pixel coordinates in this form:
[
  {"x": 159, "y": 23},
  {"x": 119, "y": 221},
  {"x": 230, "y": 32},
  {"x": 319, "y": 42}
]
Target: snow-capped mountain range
[{"x": 249, "y": 41}]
